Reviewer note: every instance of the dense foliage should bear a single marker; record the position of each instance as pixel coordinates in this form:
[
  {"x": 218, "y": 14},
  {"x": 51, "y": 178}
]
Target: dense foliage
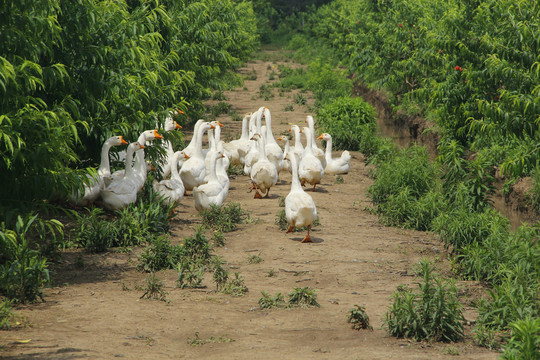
[
  {"x": 471, "y": 69},
  {"x": 471, "y": 66},
  {"x": 73, "y": 73}
]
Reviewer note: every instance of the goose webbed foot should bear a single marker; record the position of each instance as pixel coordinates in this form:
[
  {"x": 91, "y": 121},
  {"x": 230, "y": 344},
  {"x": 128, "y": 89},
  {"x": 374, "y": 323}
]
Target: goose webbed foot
[{"x": 307, "y": 239}]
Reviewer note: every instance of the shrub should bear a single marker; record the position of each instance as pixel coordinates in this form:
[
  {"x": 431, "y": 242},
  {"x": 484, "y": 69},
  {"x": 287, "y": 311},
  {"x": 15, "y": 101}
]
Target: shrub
[
  {"x": 23, "y": 271},
  {"x": 93, "y": 231},
  {"x": 525, "y": 340},
  {"x": 154, "y": 288},
  {"x": 460, "y": 227},
  {"x": 269, "y": 302},
  {"x": 221, "y": 274},
  {"x": 6, "y": 315},
  {"x": 235, "y": 286},
  {"x": 348, "y": 120},
  {"x": 409, "y": 169},
  {"x": 432, "y": 314},
  {"x": 292, "y": 78},
  {"x": 223, "y": 218},
  {"x": 160, "y": 255},
  {"x": 197, "y": 248},
  {"x": 358, "y": 318},
  {"x": 304, "y": 297},
  {"x": 190, "y": 274},
  {"x": 514, "y": 298},
  {"x": 328, "y": 83}
]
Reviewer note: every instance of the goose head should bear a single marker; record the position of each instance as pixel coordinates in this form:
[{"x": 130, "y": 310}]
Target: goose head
[{"x": 116, "y": 141}]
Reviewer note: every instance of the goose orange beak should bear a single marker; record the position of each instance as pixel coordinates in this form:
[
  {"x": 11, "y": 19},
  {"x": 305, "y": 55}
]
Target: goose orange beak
[
  {"x": 177, "y": 125},
  {"x": 158, "y": 135},
  {"x": 212, "y": 126},
  {"x": 141, "y": 146},
  {"x": 186, "y": 156},
  {"x": 123, "y": 142},
  {"x": 220, "y": 124},
  {"x": 180, "y": 111},
  {"x": 320, "y": 137}
]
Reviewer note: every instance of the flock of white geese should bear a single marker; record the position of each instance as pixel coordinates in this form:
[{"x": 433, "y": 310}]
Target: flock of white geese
[{"x": 203, "y": 171}]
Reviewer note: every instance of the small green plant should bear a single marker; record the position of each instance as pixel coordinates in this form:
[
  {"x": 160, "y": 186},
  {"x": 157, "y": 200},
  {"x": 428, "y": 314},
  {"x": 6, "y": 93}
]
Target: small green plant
[
  {"x": 197, "y": 248},
  {"x": 190, "y": 274},
  {"x": 358, "y": 318},
  {"x": 271, "y": 273},
  {"x": 23, "y": 271},
  {"x": 154, "y": 288},
  {"x": 197, "y": 341},
  {"x": 525, "y": 340},
  {"x": 234, "y": 115},
  {"x": 486, "y": 337},
  {"x": 269, "y": 302},
  {"x": 94, "y": 232},
  {"x": 300, "y": 99},
  {"x": 223, "y": 218},
  {"x": 288, "y": 107},
  {"x": 79, "y": 261},
  {"x": 451, "y": 350},
  {"x": 252, "y": 75},
  {"x": 254, "y": 259},
  {"x": 303, "y": 297},
  {"x": 272, "y": 75},
  {"x": 281, "y": 201},
  {"x": 235, "y": 170},
  {"x": 160, "y": 255},
  {"x": 6, "y": 314},
  {"x": 281, "y": 220},
  {"x": 235, "y": 286},
  {"x": 265, "y": 92},
  {"x": 432, "y": 314},
  {"x": 221, "y": 274},
  {"x": 218, "y": 239}
]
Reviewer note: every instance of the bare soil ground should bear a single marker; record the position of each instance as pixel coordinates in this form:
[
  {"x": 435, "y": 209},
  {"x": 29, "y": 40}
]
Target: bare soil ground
[{"x": 97, "y": 312}]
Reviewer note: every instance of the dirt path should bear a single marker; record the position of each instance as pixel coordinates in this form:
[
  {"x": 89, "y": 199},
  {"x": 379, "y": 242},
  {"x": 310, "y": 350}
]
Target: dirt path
[{"x": 96, "y": 312}]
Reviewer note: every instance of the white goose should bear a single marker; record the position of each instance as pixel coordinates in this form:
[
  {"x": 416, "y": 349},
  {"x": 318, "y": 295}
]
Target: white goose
[
  {"x": 172, "y": 190},
  {"x": 140, "y": 166},
  {"x": 254, "y": 154},
  {"x": 335, "y": 166},
  {"x": 214, "y": 136},
  {"x": 211, "y": 193},
  {"x": 244, "y": 148},
  {"x": 300, "y": 208},
  {"x": 170, "y": 125},
  {"x": 123, "y": 191},
  {"x": 96, "y": 183},
  {"x": 298, "y": 148},
  {"x": 310, "y": 169},
  {"x": 286, "y": 151},
  {"x": 193, "y": 170},
  {"x": 232, "y": 148},
  {"x": 319, "y": 153},
  {"x": 188, "y": 150},
  {"x": 264, "y": 174},
  {"x": 273, "y": 150}
]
